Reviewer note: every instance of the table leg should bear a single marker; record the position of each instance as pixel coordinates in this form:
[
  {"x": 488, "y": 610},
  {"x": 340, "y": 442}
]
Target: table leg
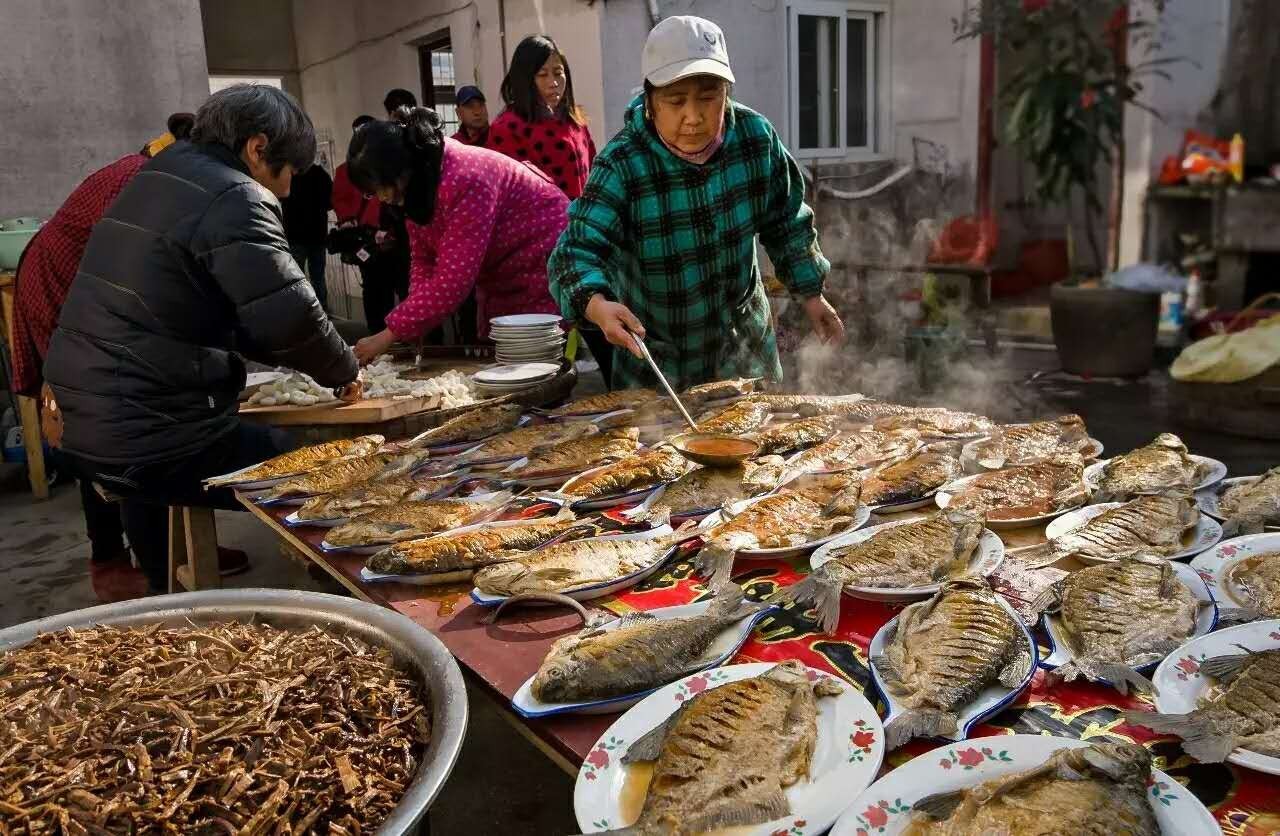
[
  {"x": 29, "y": 415},
  {"x": 177, "y": 548},
  {"x": 193, "y": 549}
]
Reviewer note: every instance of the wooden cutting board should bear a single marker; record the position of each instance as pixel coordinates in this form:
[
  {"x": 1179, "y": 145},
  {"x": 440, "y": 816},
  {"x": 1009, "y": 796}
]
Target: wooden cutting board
[{"x": 369, "y": 411}]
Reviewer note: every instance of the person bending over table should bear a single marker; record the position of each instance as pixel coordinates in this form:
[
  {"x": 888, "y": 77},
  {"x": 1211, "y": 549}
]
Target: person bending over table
[
  {"x": 475, "y": 218},
  {"x": 187, "y": 271},
  {"x": 662, "y": 240}
]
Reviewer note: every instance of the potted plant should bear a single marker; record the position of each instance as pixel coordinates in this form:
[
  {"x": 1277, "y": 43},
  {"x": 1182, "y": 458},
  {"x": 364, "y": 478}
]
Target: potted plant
[{"x": 1065, "y": 108}]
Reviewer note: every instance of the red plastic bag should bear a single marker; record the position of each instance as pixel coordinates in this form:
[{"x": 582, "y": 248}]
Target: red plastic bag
[{"x": 966, "y": 240}]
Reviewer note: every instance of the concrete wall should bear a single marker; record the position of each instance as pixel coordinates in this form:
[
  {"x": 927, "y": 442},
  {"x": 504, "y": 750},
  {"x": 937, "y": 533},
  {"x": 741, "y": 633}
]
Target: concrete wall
[
  {"x": 86, "y": 83},
  {"x": 251, "y": 38},
  {"x": 350, "y": 54}
]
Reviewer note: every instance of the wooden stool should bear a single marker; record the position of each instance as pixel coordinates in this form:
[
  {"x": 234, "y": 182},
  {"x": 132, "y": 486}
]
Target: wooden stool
[{"x": 193, "y": 550}]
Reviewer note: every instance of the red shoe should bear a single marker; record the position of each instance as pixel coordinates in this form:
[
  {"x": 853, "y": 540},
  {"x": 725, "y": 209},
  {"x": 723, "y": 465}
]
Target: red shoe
[
  {"x": 116, "y": 580},
  {"x": 232, "y": 562}
]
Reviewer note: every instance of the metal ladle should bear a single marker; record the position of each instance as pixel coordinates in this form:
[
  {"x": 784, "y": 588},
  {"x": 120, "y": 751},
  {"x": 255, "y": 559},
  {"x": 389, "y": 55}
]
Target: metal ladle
[{"x": 644, "y": 351}]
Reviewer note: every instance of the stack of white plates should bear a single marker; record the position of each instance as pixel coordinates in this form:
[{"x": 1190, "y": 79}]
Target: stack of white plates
[
  {"x": 502, "y": 380},
  {"x": 527, "y": 338}
]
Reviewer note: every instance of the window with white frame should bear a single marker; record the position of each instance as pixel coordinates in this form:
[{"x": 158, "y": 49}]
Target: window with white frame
[{"x": 834, "y": 65}]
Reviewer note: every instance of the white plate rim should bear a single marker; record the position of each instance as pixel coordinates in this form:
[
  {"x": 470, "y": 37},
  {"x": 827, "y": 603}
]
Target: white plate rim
[
  {"x": 1213, "y": 564},
  {"x": 1207, "y": 529},
  {"x": 656, "y": 707},
  {"x": 525, "y": 319},
  {"x": 1172, "y": 681},
  {"x": 923, "y": 775}
]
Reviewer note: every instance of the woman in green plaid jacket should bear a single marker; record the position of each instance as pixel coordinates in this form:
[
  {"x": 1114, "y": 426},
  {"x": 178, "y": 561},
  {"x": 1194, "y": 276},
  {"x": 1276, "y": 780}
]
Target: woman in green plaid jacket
[{"x": 662, "y": 240}]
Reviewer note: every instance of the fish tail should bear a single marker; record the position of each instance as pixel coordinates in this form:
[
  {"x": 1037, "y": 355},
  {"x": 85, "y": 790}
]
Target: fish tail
[
  {"x": 714, "y": 561},
  {"x": 1123, "y": 677},
  {"x": 1037, "y": 557},
  {"x": 731, "y": 604},
  {"x": 822, "y": 590},
  {"x": 918, "y": 722},
  {"x": 1237, "y": 526},
  {"x": 1199, "y": 739},
  {"x": 1230, "y": 616}
]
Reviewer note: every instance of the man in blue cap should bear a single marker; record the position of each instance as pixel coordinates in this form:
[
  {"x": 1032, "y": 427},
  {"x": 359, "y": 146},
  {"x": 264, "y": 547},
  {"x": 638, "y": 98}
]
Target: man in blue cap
[{"x": 473, "y": 113}]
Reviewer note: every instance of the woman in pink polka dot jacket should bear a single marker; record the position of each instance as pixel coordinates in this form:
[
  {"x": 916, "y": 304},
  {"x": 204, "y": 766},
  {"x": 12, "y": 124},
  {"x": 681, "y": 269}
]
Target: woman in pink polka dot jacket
[{"x": 476, "y": 219}]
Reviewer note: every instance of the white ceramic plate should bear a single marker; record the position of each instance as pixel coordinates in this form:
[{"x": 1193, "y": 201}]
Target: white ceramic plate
[
  {"x": 717, "y": 518},
  {"x": 992, "y": 700},
  {"x": 526, "y": 319},
  {"x": 947, "y": 492},
  {"x": 986, "y": 558},
  {"x": 1206, "y": 534},
  {"x": 884, "y": 808},
  {"x": 721, "y": 650},
  {"x": 1209, "y": 498},
  {"x": 373, "y": 548},
  {"x": 1206, "y": 619},
  {"x": 1180, "y": 685},
  {"x": 1215, "y": 565},
  {"x": 846, "y": 757},
  {"x": 512, "y": 375},
  {"x": 1216, "y": 472},
  {"x": 599, "y": 590}
]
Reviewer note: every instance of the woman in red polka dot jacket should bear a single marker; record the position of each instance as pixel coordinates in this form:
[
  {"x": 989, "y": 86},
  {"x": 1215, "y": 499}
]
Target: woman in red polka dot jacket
[
  {"x": 475, "y": 219},
  {"x": 542, "y": 124}
]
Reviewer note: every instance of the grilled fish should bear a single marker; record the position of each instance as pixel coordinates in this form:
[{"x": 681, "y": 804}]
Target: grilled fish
[
  {"x": 302, "y": 460},
  {"x": 578, "y": 454},
  {"x": 344, "y": 473},
  {"x": 910, "y": 479},
  {"x": 807, "y": 406},
  {"x": 1095, "y": 790},
  {"x": 943, "y": 652},
  {"x": 726, "y": 756},
  {"x": 1022, "y": 491},
  {"x": 524, "y": 441},
  {"x": 1163, "y": 465},
  {"x": 932, "y": 422},
  {"x": 858, "y": 449},
  {"x": 902, "y": 556},
  {"x": 1244, "y": 712},
  {"x": 717, "y": 390},
  {"x": 564, "y": 567},
  {"x": 789, "y": 518},
  {"x": 1146, "y": 525},
  {"x": 1256, "y": 581},
  {"x": 640, "y": 653},
  {"x": 412, "y": 520},
  {"x": 366, "y": 496},
  {"x": 454, "y": 556},
  {"x": 708, "y": 488},
  {"x": 470, "y": 426},
  {"x": 1015, "y": 444},
  {"x": 1120, "y": 616},
  {"x": 1251, "y": 506},
  {"x": 743, "y": 417},
  {"x": 796, "y": 435},
  {"x": 606, "y": 402},
  {"x": 643, "y": 470}
]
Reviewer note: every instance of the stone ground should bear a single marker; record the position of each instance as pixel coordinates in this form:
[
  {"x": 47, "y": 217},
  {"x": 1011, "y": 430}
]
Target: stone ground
[{"x": 501, "y": 779}]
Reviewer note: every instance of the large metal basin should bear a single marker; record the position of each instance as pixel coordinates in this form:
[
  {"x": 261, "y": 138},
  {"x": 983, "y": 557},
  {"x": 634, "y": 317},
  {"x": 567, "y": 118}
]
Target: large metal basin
[{"x": 413, "y": 646}]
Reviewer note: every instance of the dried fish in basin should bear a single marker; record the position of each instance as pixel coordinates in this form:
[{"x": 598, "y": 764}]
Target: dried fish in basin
[
  {"x": 726, "y": 756},
  {"x": 1015, "y": 444},
  {"x": 454, "y": 556},
  {"x": 411, "y": 520},
  {"x": 943, "y": 652},
  {"x": 470, "y": 426},
  {"x": 1243, "y": 712},
  {"x": 1251, "y": 506},
  {"x": 902, "y": 556},
  {"x": 1098, "y": 789},
  {"x": 1161, "y": 466},
  {"x": 225, "y": 727},
  {"x": 301, "y": 460},
  {"x": 578, "y": 454},
  {"x": 1120, "y": 616}
]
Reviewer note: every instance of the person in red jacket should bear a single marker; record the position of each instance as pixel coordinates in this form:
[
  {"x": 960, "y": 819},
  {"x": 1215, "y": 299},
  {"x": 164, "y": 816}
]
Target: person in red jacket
[
  {"x": 473, "y": 116},
  {"x": 542, "y": 124}
]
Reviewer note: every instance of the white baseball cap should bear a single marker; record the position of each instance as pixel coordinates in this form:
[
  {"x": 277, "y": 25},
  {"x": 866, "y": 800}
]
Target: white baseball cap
[{"x": 684, "y": 45}]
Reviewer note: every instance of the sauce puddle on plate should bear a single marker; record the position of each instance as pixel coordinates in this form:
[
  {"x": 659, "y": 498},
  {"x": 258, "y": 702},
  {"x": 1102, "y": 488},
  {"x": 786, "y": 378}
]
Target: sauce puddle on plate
[{"x": 719, "y": 447}]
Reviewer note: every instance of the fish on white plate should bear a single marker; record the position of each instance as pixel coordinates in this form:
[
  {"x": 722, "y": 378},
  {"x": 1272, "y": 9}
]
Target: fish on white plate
[
  {"x": 1028, "y": 783},
  {"x": 1232, "y": 490},
  {"x": 1162, "y": 466},
  {"x": 756, "y": 747},
  {"x": 1221, "y": 694},
  {"x": 1244, "y": 576}
]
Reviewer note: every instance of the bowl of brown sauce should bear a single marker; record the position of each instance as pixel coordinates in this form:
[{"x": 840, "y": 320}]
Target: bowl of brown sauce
[{"x": 713, "y": 449}]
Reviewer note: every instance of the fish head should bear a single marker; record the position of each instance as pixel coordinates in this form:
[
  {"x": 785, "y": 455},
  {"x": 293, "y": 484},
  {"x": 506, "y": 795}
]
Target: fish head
[
  {"x": 837, "y": 492},
  {"x": 970, "y": 521},
  {"x": 1169, "y": 441},
  {"x": 501, "y": 578},
  {"x": 1121, "y": 762},
  {"x": 557, "y": 678}
]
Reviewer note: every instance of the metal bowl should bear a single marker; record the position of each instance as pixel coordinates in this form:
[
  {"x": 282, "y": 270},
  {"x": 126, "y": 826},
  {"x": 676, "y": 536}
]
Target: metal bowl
[
  {"x": 411, "y": 645},
  {"x": 748, "y": 449}
]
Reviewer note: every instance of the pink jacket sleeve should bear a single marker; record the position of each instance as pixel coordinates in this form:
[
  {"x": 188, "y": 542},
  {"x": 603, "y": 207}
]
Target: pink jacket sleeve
[{"x": 440, "y": 280}]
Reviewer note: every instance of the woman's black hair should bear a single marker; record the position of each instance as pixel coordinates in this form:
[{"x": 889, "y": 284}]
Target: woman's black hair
[
  {"x": 520, "y": 90},
  {"x": 383, "y": 153},
  {"x": 233, "y": 115}
]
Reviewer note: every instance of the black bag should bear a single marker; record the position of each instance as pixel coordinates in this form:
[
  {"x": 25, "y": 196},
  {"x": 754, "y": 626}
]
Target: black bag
[{"x": 348, "y": 242}]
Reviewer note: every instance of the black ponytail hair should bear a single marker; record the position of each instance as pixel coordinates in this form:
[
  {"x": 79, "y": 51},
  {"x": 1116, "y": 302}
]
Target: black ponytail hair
[{"x": 381, "y": 154}]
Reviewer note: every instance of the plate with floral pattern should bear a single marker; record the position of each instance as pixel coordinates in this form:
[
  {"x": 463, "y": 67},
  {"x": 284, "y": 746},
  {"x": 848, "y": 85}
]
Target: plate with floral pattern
[
  {"x": 885, "y": 806},
  {"x": 846, "y": 757},
  {"x": 1215, "y": 566}
]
